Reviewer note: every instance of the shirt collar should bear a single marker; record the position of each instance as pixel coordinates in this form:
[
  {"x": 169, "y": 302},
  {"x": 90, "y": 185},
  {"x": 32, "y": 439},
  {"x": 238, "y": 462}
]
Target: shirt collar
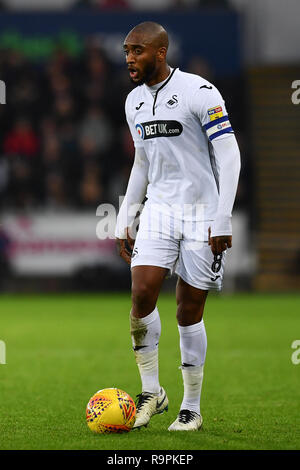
[{"x": 153, "y": 89}]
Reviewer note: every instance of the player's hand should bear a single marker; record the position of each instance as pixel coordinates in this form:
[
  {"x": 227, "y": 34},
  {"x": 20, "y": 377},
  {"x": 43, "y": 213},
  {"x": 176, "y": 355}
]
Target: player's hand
[
  {"x": 125, "y": 247},
  {"x": 220, "y": 243}
]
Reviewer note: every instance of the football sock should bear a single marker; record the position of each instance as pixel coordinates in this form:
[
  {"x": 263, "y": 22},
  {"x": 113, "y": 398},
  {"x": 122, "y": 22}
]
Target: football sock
[
  {"x": 193, "y": 344},
  {"x": 145, "y": 334}
]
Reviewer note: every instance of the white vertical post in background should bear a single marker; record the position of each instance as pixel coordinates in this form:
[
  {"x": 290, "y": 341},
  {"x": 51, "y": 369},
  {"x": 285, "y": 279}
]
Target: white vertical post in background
[{"x": 2, "y": 352}]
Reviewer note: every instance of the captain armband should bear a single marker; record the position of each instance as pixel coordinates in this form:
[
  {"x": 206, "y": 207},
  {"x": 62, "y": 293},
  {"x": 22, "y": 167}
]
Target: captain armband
[{"x": 218, "y": 127}]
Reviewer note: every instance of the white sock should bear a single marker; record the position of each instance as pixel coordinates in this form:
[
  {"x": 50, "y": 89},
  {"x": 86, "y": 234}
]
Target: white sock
[
  {"x": 145, "y": 334},
  {"x": 193, "y": 345}
]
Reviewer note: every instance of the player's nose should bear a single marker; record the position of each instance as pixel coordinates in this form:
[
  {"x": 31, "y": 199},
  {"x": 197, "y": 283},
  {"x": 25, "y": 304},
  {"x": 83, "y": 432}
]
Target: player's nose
[{"x": 130, "y": 58}]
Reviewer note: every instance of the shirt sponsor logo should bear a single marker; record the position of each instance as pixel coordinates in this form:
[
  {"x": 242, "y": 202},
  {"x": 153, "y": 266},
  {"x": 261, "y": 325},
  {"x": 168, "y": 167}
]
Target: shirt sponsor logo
[
  {"x": 215, "y": 113},
  {"x": 140, "y": 130},
  {"x": 224, "y": 124},
  {"x": 152, "y": 129}
]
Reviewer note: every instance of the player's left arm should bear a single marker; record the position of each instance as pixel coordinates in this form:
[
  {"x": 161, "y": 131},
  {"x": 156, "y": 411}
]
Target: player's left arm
[
  {"x": 228, "y": 161},
  {"x": 208, "y": 105}
]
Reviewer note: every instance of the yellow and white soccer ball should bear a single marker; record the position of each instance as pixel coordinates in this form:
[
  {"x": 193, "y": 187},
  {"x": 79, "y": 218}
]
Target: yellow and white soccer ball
[{"x": 110, "y": 410}]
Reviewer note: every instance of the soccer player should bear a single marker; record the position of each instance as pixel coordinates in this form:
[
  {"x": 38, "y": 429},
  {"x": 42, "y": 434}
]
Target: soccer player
[{"x": 187, "y": 165}]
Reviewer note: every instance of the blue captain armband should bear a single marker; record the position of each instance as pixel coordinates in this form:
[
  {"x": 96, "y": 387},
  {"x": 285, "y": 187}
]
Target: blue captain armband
[{"x": 218, "y": 127}]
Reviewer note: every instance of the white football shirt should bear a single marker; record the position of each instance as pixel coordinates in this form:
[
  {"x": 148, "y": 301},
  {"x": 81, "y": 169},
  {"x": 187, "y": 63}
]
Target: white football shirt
[{"x": 175, "y": 122}]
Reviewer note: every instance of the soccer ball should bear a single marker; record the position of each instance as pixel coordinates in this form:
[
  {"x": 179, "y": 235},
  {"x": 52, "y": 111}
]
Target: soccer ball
[{"x": 110, "y": 410}]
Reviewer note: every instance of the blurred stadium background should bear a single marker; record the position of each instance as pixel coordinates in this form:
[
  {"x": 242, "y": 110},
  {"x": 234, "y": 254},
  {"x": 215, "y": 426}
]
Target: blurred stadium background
[
  {"x": 65, "y": 146},
  {"x": 65, "y": 150}
]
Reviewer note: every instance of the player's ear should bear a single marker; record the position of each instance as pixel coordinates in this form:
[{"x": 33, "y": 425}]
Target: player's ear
[{"x": 161, "y": 53}]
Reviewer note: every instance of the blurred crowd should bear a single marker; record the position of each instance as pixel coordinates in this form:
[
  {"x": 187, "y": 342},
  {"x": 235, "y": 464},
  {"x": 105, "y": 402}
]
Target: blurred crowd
[
  {"x": 138, "y": 5},
  {"x": 65, "y": 143},
  {"x": 157, "y": 5},
  {"x": 63, "y": 134}
]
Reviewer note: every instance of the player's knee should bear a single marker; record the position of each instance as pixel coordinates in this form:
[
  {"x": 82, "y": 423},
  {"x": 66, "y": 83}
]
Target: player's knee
[
  {"x": 189, "y": 313},
  {"x": 142, "y": 297}
]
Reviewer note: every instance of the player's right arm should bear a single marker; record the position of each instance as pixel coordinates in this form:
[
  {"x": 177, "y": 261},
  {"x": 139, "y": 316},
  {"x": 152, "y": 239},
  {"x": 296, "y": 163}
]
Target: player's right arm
[{"x": 135, "y": 193}]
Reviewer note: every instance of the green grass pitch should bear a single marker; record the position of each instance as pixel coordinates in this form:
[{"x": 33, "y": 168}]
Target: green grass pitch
[{"x": 61, "y": 349}]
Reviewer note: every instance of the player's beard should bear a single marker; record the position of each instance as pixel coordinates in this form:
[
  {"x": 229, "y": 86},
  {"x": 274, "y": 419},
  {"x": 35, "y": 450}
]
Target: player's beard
[{"x": 148, "y": 73}]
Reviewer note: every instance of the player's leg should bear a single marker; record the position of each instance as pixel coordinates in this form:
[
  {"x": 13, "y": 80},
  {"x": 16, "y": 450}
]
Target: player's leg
[
  {"x": 154, "y": 254},
  {"x": 199, "y": 271},
  {"x": 145, "y": 288},
  {"x": 145, "y": 326},
  {"x": 193, "y": 343},
  {"x": 145, "y": 329}
]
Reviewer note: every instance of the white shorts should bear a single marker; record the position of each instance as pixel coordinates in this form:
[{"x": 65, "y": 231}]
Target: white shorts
[{"x": 180, "y": 246}]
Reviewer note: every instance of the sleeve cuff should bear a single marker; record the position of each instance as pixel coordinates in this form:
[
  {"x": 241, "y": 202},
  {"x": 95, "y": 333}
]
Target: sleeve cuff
[
  {"x": 120, "y": 233},
  {"x": 221, "y": 226}
]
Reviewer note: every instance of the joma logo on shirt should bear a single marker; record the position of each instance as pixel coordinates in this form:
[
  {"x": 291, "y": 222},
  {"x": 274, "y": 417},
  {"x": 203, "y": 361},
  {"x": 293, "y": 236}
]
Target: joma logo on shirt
[{"x": 152, "y": 129}]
